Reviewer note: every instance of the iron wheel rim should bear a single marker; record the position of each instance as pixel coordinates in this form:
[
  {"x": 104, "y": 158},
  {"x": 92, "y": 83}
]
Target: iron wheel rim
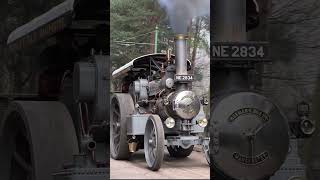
[
  {"x": 152, "y": 138},
  {"x": 18, "y": 150},
  {"x": 115, "y": 127}
]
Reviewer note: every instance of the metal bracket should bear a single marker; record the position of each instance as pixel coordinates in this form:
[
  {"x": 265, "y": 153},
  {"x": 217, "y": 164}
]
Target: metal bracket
[{"x": 186, "y": 141}]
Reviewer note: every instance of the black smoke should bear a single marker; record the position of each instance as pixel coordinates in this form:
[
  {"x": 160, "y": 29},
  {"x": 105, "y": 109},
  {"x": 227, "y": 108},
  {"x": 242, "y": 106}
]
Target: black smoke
[{"x": 181, "y": 12}]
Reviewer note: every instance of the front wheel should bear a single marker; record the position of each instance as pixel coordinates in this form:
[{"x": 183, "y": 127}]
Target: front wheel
[{"x": 154, "y": 142}]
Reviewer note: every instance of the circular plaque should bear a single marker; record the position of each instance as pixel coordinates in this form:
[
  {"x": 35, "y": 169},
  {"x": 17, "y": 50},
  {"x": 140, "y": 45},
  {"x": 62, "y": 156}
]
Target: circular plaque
[{"x": 249, "y": 136}]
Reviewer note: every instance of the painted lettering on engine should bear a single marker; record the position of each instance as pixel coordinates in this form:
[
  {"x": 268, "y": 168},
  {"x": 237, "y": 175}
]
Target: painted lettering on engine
[
  {"x": 251, "y": 160},
  {"x": 244, "y": 111}
]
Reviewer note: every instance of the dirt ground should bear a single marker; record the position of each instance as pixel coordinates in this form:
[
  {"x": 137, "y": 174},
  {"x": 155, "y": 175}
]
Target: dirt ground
[{"x": 193, "y": 167}]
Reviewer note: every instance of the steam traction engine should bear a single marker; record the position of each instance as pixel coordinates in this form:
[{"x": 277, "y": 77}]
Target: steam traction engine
[
  {"x": 156, "y": 108},
  {"x": 60, "y": 132}
]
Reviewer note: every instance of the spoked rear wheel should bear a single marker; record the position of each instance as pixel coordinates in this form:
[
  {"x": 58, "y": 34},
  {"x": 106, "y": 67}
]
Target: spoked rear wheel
[
  {"x": 154, "y": 142},
  {"x": 121, "y": 107},
  {"x": 18, "y": 152},
  {"x": 37, "y": 139}
]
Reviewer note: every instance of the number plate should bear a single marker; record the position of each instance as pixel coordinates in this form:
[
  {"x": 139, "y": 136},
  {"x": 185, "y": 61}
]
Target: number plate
[
  {"x": 184, "y": 78},
  {"x": 257, "y": 51}
]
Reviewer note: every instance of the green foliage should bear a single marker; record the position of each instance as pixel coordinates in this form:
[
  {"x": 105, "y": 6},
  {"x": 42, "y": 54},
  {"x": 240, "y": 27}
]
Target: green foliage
[{"x": 131, "y": 25}]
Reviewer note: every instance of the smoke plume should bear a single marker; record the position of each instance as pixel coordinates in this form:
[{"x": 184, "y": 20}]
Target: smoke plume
[{"x": 181, "y": 12}]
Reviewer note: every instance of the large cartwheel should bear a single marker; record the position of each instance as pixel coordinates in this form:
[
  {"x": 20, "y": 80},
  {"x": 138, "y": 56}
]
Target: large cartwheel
[
  {"x": 121, "y": 107},
  {"x": 37, "y": 138},
  {"x": 154, "y": 142}
]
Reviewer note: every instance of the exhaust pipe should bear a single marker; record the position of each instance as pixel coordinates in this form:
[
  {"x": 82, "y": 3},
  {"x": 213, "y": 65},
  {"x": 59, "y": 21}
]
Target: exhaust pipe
[
  {"x": 181, "y": 52},
  {"x": 181, "y": 59}
]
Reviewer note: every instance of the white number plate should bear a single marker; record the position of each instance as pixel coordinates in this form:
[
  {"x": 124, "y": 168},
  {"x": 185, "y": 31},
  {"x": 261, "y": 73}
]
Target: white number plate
[{"x": 184, "y": 78}]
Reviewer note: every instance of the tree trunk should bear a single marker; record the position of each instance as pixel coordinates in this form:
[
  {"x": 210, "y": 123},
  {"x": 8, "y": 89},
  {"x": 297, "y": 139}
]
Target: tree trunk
[{"x": 196, "y": 38}]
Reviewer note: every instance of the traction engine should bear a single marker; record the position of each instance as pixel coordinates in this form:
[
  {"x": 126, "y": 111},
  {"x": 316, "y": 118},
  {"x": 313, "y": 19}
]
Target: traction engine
[{"x": 156, "y": 107}]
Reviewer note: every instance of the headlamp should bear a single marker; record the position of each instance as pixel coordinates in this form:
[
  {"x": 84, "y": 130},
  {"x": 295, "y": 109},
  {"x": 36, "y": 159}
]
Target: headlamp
[
  {"x": 170, "y": 122},
  {"x": 202, "y": 122}
]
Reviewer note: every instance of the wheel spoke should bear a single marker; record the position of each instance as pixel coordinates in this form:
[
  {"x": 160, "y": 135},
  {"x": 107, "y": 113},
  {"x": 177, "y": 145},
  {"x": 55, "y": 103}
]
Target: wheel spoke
[
  {"x": 116, "y": 113},
  {"x": 21, "y": 162},
  {"x": 116, "y": 136},
  {"x": 154, "y": 153},
  {"x": 117, "y": 139},
  {"x": 153, "y": 132},
  {"x": 117, "y": 146},
  {"x": 116, "y": 127},
  {"x": 154, "y": 139},
  {"x": 151, "y": 153},
  {"x": 152, "y": 145}
]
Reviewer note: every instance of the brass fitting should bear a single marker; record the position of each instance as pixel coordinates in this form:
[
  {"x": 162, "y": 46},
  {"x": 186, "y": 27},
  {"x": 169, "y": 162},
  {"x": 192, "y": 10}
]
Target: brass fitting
[
  {"x": 132, "y": 147},
  {"x": 181, "y": 37}
]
